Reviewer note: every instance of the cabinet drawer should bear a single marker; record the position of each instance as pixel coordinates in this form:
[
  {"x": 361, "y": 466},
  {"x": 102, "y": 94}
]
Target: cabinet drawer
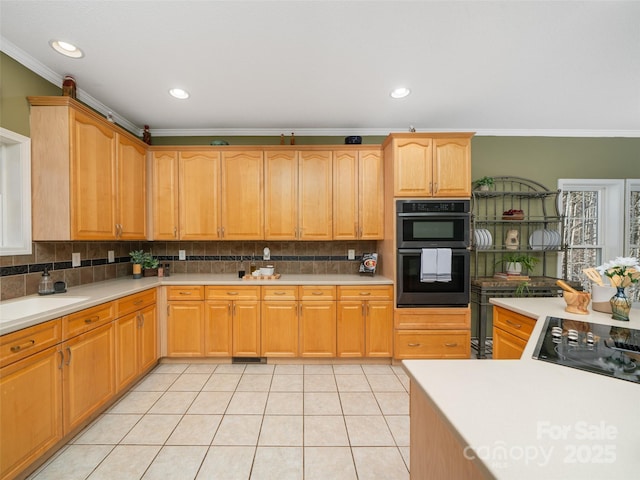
[
  {"x": 433, "y": 318},
  {"x": 233, "y": 293},
  {"x": 134, "y": 302},
  {"x": 287, "y": 292},
  {"x": 185, "y": 293},
  {"x": 17, "y": 345},
  {"x": 87, "y": 319},
  {"x": 512, "y": 322},
  {"x": 365, "y": 292},
  {"x": 319, "y": 292},
  {"x": 432, "y": 344}
]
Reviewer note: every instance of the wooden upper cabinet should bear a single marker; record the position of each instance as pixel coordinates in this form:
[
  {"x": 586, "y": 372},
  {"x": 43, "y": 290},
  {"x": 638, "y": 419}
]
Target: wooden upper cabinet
[
  {"x": 281, "y": 195},
  {"x": 132, "y": 194},
  {"x": 199, "y": 205},
  {"x": 315, "y": 195},
  {"x": 452, "y": 167},
  {"x": 430, "y": 165},
  {"x": 358, "y": 195},
  {"x": 242, "y": 195},
  {"x": 164, "y": 196},
  {"x": 88, "y": 175},
  {"x": 93, "y": 179}
]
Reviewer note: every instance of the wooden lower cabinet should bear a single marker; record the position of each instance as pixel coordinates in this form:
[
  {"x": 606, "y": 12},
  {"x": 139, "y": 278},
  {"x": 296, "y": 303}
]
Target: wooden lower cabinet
[
  {"x": 365, "y": 321},
  {"x": 88, "y": 375},
  {"x": 317, "y": 327},
  {"x": 246, "y": 328},
  {"x": 185, "y": 329},
  {"x": 511, "y": 332},
  {"x": 136, "y": 345},
  {"x": 279, "y": 328},
  {"x": 30, "y": 410},
  {"x": 217, "y": 328},
  {"x": 432, "y": 333}
]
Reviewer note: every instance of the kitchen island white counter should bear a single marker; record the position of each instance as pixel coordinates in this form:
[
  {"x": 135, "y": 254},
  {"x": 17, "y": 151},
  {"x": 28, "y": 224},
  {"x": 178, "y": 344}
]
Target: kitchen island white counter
[
  {"x": 528, "y": 419},
  {"x": 96, "y": 293}
]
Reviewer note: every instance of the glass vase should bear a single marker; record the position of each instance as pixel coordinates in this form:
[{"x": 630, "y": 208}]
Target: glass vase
[{"x": 620, "y": 305}]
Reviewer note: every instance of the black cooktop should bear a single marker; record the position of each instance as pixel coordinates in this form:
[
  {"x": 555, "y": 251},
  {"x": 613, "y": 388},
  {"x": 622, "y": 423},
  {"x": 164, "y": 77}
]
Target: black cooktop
[{"x": 608, "y": 350}]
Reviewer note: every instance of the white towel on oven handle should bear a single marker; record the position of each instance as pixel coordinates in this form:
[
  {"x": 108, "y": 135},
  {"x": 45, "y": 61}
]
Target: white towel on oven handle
[{"x": 435, "y": 265}]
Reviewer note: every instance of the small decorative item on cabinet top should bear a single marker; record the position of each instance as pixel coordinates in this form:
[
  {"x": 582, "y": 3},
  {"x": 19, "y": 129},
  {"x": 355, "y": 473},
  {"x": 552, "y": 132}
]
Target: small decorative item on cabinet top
[
  {"x": 69, "y": 86},
  {"x": 146, "y": 135}
]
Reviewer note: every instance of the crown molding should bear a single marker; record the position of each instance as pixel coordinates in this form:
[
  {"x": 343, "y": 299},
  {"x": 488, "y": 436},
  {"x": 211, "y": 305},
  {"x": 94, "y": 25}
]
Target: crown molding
[{"x": 45, "y": 72}]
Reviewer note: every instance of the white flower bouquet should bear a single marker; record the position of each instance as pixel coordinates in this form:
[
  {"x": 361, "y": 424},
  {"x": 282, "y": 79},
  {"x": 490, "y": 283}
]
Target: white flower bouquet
[{"x": 623, "y": 271}]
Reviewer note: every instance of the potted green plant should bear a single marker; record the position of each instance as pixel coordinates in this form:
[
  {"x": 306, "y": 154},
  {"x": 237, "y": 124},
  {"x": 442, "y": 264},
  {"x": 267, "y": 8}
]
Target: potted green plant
[
  {"x": 484, "y": 183},
  {"x": 137, "y": 257},
  {"x": 516, "y": 263},
  {"x": 149, "y": 265}
]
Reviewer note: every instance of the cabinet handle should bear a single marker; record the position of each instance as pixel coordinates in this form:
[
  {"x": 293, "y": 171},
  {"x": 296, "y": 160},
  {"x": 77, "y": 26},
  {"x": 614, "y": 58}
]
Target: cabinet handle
[
  {"x": 168, "y": 310},
  {"x": 436, "y": 187},
  {"x": 229, "y": 308},
  {"x": 316, "y": 293},
  {"x": 413, "y": 344},
  {"x": 365, "y": 293},
  {"x": 364, "y": 313},
  {"x": 279, "y": 293},
  {"x": 234, "y": 309},
  {"x": 185, "y": 293},
  {"x": 232, "y": 293},
  {"x": 430, "y": 187},
  {"x": 300, "y": 310},
  {"x": 138, "y": 302},
  {"x": 517, "y": 325},
  {"x": 140, "y": 319},
  {"x": 69, "y": 356},
  {"x": 17, "y": 348},
  {"x": 222, "y": 229},
  {"x": 451, "y": 344},
  {"x": 61, "y": 359},
  {"x": 175, "y": 232},
  {"x": 95, "y": 318}
]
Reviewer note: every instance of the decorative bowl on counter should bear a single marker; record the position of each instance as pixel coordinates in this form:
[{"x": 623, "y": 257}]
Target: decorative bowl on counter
[{"x": 268, "y": 270}]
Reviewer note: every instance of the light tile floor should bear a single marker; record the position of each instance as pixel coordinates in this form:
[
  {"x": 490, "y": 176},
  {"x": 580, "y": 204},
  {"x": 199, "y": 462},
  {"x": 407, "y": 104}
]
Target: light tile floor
[{"x": 229, "y": 421}]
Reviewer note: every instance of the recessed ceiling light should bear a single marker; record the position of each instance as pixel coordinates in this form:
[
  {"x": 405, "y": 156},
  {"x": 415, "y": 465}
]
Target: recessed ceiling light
[
  {"x": 179, "y": 93},
  {"x": 67, "y": 49},
  {"x": 400, "y": 92}
]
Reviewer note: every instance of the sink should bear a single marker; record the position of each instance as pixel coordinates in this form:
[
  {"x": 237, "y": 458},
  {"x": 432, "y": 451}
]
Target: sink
[{"x": 35, "y": 305}]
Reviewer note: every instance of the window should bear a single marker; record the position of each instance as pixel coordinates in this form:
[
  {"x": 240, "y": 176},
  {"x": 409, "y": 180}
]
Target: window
[
  {"x": 15, "y": 193},
  {"x": 596, "y": 227}
]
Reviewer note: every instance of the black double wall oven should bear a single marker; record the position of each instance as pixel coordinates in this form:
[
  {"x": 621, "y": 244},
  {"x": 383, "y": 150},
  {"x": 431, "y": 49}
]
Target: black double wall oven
[{"x": 432, "y": 224}]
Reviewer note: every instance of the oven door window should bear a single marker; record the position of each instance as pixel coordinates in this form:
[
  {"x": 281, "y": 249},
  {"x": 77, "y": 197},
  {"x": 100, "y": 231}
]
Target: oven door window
[
  {"x": 433, "y": 229},
  {"x": 411, "y": 291}
]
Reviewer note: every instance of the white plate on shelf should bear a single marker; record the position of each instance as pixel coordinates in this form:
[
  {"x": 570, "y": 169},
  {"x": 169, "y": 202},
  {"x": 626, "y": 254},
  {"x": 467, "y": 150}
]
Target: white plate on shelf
[
  {"x": 538, "y": 240},
  {"x": 488, "y": 240},
  {"x": 555, "y": 239}
]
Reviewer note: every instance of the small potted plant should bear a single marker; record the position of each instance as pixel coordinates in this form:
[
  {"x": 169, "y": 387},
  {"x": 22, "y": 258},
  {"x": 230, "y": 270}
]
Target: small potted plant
[
  {"x": 484, "y": 183},
  {"x": 137, "y": 258},
  {"x": 149, "y": 265},
  {"x": 515, "y": 263}
]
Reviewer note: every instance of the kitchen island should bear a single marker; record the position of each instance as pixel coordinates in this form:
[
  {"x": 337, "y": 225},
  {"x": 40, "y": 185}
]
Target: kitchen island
[{"x": 523, "y": 419}]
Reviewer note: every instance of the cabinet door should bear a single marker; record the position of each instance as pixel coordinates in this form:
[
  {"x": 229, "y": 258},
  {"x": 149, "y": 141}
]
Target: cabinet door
[
  {"x": 242, "y": 195},
  {"x": 350, "y": 329},
  {"x": 345, "y": 195},
  {"x": 217, "y": 328},
  {"x": 281, "y": 195},
  {"x": 132, "y": 191},
  {"x": 315, "y": 195},
  {"x": 30, "y": 410},
  {"x": 88, "y": 375},
  {"x": 246, "y": 329},
  {"x": 370, "y": 195},
  {"x": 199, "y": 189},
  {"x": 164, "y": 197},
  {"x": 279, "y": 329},
  {"x": 147, "y": 338},
  {"x": 507, "y": 346},
  {"x": 412, "y": 167},
  {"x": 317, "y": 329},
  {"x": 93, "y": 180},
  {"x": 185, "y": 332},
  {"x": 126, "y": 350},
  {"x": 379, "y": 329},
  {"x": 452, "y": 167}
]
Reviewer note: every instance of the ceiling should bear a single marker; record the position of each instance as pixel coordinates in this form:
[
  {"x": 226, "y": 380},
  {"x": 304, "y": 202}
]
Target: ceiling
[{"x": 327, "y": 67}]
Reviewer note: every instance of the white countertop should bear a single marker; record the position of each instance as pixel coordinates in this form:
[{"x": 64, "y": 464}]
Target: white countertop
[
  {"x": 34, "y": 309},
  {"x": 528, "y": 419}
]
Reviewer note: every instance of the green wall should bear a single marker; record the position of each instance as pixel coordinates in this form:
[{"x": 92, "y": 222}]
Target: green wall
[
  {"x": 543, "y": 159},
  {"x": 16, "y": 83}
]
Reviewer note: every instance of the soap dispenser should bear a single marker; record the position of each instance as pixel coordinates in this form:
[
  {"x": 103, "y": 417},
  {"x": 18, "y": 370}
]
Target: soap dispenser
[{"x": 45, "y": 287}]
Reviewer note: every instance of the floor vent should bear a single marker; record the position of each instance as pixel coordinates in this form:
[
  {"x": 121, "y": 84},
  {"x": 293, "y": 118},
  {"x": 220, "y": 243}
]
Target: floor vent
[{"x": 248, "y": 360}]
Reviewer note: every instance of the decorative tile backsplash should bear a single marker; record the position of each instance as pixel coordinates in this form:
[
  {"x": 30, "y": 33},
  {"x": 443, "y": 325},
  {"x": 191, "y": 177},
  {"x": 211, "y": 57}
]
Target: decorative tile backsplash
[{"x": 20, "y": 274}]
